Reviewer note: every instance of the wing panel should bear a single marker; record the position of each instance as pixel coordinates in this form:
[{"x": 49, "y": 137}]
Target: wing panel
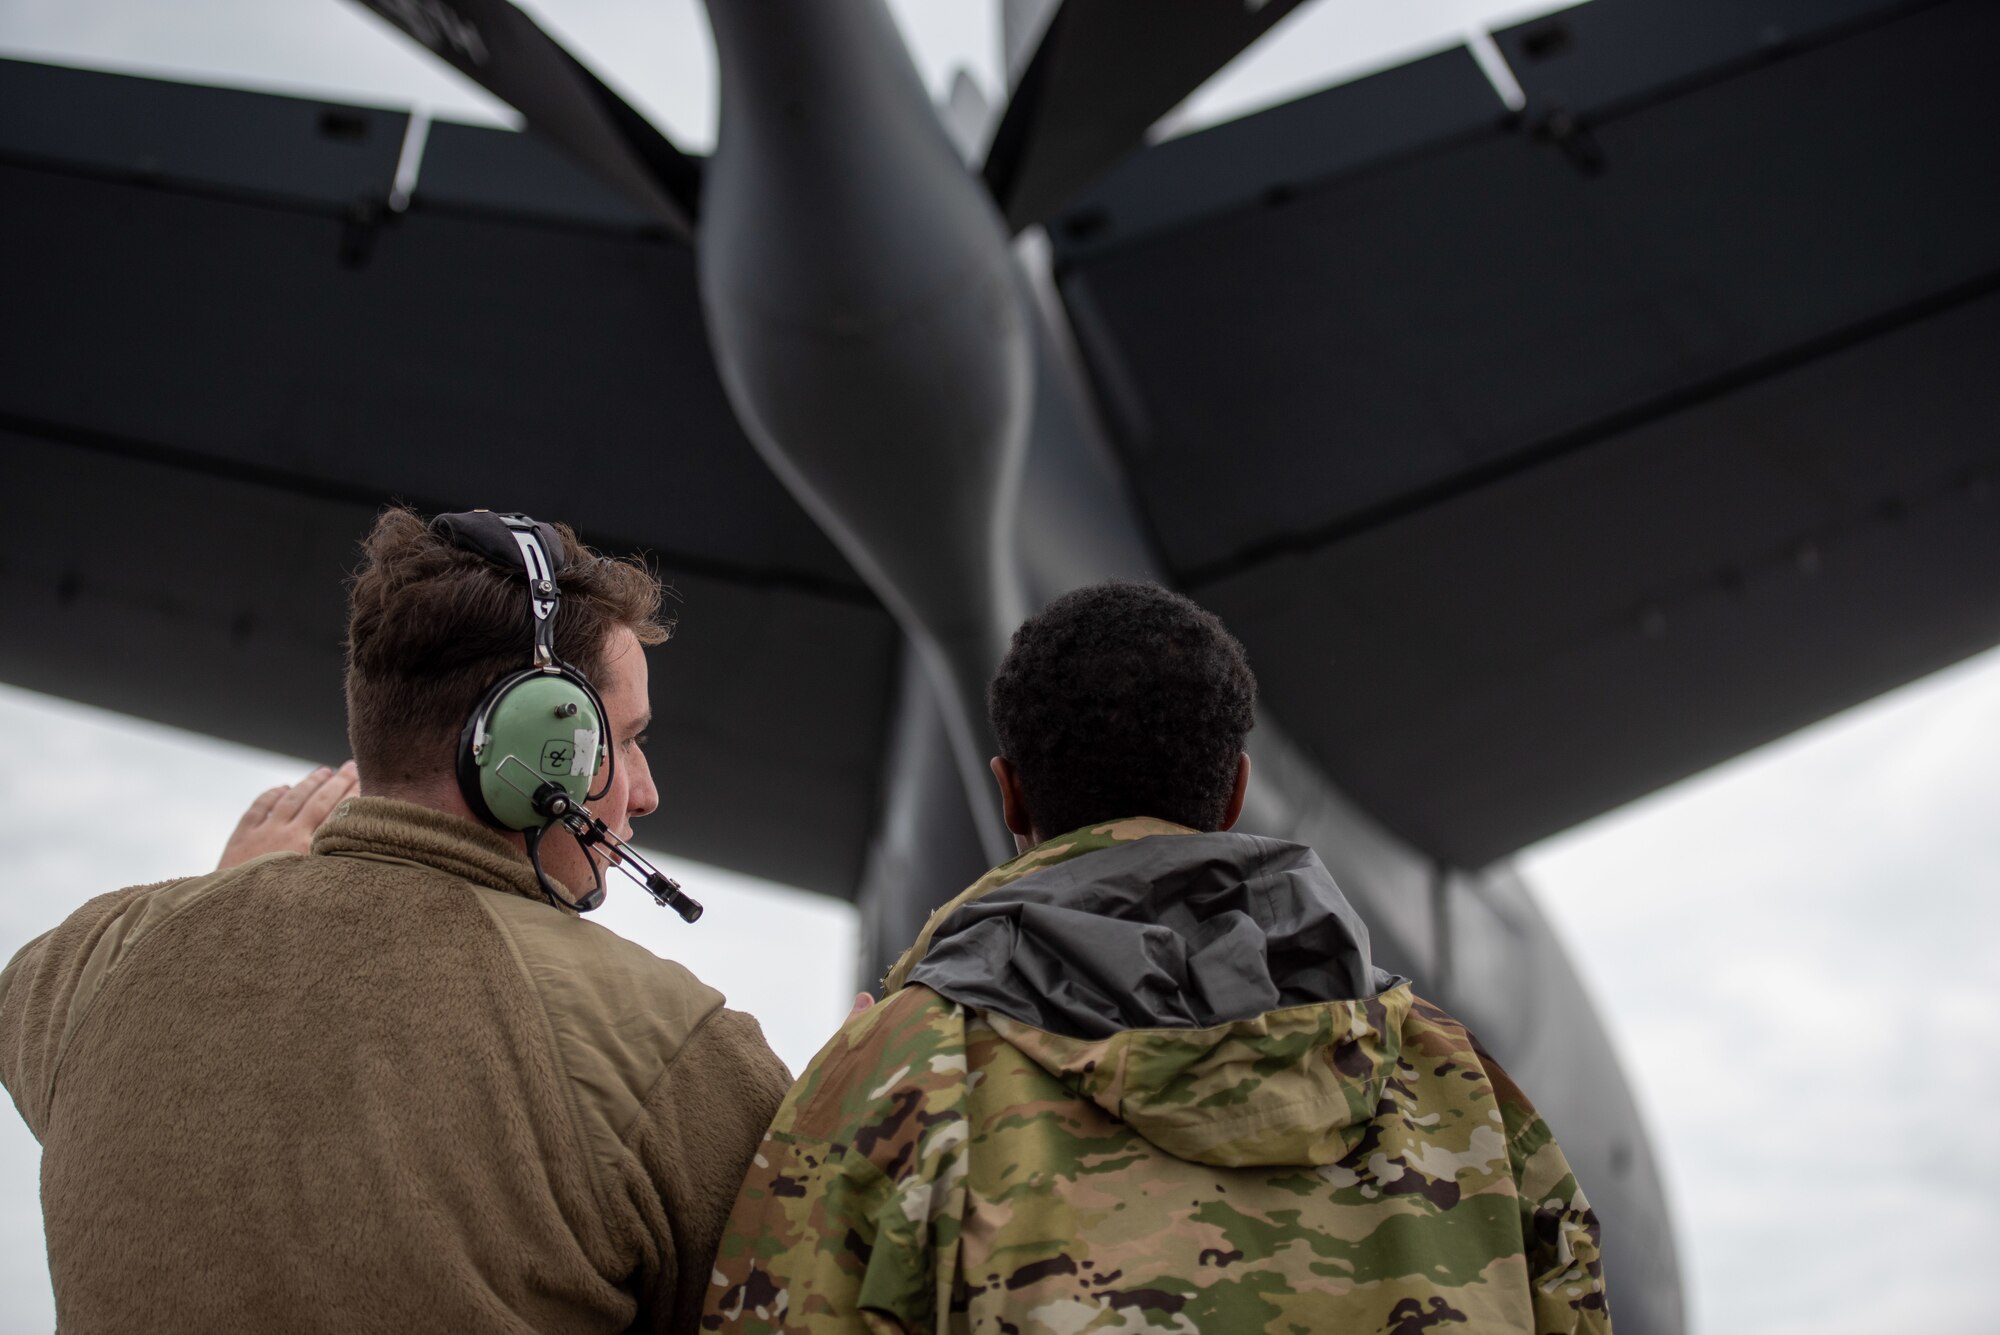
[
  {"x": 223, "y": 376},
  {"x": 1540, "y": 470},
  {"x": 500, "y": 47},
  {"x": 770, "y": 703},
  {"x": 148, "y": 130},
  {"x": 1590, "y": 59},
  {"x": 1505, "y": 664},
  {"x": 518, "y": 175},
  {"x": 1480, "y": 305},
  {"x": 1267, "y": 159},
  {"x": 430, "y": 354}
]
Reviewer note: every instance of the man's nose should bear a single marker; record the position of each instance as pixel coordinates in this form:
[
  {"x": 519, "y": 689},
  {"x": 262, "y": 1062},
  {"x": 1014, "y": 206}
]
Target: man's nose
[{"x": 645, "y": 796}]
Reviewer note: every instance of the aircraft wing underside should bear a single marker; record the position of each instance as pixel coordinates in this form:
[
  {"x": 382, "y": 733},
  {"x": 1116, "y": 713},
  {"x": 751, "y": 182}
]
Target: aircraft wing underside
[
  {"x": 222, "y": 354},
  {"x": 1540, "y": 464},
  {"x": 1539, "y": 461}
]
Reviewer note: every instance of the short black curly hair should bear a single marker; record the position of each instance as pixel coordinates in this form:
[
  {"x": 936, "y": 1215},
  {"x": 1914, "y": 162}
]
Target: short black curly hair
[{"x": 1123, "y": 699}]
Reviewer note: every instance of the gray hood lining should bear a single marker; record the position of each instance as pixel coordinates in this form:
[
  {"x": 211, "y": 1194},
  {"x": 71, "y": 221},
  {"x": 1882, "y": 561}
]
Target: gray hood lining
[{"x": 1166, "y": 932}]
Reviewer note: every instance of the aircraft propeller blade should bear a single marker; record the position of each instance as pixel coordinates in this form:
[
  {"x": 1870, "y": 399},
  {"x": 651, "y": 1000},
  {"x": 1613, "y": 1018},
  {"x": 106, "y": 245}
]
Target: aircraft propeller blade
[
  {"x": 1104, "y": 72},
  {"x": 503, "y": 50}
]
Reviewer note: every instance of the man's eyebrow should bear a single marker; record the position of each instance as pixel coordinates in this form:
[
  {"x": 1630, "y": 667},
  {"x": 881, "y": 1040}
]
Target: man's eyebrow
[{"x": 643, "y": 722}]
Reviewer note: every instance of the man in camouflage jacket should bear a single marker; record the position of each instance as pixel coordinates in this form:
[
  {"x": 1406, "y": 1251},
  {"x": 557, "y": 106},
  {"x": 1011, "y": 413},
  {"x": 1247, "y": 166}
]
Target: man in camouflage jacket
[{"x": 1146, "y": 1077}]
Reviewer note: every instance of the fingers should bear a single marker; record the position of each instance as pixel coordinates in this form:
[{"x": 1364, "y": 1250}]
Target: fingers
[
  {"x": 307, "y": 802},
  {"x": 260, "y": 810},
  {"x": 320, "y": 791},
  {"x": 336, "y": 788},
  {"x": 295, "y": 796},
  {"x": 283, "y": 819},
  {"x": 862, "y": 1002},
  {"x": 313, "y": 798}
]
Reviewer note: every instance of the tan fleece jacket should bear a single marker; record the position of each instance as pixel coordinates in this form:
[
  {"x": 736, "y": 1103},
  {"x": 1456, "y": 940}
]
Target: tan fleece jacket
[{"x": 383, "y": 1087}]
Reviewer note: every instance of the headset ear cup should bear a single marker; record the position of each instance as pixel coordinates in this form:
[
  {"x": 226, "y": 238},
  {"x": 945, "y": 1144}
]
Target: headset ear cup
[
  {"x": 604, "y": 751},
  {"x": 534, "y": 724},
  {"x": 471, "y": 783}
]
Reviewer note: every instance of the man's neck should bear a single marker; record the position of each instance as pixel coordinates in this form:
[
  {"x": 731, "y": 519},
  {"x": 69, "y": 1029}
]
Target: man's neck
[{"x": 438, "y": 796}]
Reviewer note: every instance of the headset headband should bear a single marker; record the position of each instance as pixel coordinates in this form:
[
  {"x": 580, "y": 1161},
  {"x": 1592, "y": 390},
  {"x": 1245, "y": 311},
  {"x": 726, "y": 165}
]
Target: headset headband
[{"x": 518, "y": 543}]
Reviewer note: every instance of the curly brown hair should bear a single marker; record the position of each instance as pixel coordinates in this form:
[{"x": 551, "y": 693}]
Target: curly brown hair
[
  {"x": 431, "y": 626},
  {"x": 1123, "y": 699}
]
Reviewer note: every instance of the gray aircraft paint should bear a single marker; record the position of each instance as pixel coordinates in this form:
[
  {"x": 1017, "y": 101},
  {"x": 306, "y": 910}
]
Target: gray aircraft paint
[
  {"x": 894, "y": 370},
  {"x": 1726, "y": 660},
  {"x": 869, "y": 331}
]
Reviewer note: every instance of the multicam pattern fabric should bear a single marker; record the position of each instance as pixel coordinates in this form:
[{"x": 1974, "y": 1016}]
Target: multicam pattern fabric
[{"x": 1349, "y": 1165}]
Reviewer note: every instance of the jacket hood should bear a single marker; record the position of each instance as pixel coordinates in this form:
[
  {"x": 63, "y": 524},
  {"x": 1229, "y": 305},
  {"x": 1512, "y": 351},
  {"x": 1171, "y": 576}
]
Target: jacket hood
[
  {"x": 1295, "y": 1086},
  {"x": 1213, "y": 991}
]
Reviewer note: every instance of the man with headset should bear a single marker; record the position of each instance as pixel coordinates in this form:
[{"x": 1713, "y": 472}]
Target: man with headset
[{"x": 398, "y": 1083}]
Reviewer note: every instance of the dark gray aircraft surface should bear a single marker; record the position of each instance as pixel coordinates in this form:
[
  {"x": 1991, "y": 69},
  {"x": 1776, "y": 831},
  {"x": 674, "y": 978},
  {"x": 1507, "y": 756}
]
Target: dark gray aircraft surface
[{"x": 1540, "y": 458}]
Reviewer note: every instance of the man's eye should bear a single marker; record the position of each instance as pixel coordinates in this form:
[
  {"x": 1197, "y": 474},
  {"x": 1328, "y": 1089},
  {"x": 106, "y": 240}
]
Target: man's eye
[{"x": 640, "y": 740}]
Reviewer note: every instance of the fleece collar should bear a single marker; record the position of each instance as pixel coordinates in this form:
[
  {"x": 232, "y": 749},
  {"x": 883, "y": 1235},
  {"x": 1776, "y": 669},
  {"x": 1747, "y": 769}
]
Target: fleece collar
[{"x": 383, "y": 829}]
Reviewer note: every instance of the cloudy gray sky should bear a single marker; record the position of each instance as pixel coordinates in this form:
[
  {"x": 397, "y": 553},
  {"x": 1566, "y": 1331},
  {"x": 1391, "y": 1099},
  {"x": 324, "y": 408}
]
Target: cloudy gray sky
[{"x": 1798, "y": 952}]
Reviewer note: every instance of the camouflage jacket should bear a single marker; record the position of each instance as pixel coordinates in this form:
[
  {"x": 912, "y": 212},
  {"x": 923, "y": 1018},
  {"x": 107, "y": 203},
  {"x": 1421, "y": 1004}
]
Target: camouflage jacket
[{"x": 1350, "y": 1165}]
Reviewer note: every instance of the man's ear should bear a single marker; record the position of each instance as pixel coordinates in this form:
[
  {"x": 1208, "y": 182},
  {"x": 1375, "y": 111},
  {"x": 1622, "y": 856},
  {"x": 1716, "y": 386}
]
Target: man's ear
[
  {"x": 1234, "y": 810},
  {"x": 1013, "y": 807}
]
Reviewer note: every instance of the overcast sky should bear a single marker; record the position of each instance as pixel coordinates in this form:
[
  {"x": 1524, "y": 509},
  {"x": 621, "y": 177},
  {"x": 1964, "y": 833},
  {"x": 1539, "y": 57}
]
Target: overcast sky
[
  {"x": 1799, "y": 953},
  {"x": 657, "y": 52}
]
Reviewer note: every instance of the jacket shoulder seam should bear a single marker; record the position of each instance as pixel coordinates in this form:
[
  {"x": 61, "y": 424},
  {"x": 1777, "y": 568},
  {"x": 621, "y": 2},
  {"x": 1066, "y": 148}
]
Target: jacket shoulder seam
[
  {"x": 74, "y": 1025},
  {"x": 567, "y": 1078},
  {"x": 666, "y": 1069}
]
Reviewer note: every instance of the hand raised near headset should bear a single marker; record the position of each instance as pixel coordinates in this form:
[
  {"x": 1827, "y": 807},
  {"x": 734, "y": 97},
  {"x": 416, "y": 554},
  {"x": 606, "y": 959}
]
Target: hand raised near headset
[{"x": 282, "y": 819}]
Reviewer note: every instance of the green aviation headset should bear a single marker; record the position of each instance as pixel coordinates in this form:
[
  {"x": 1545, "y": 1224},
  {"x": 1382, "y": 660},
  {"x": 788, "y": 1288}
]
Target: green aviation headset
[{"x": 527, "y": 754}]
